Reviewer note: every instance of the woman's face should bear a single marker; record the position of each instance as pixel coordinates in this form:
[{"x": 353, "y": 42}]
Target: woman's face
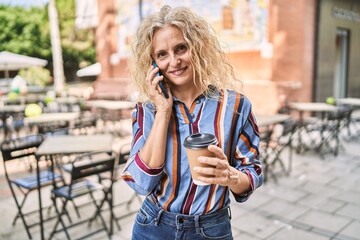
[{"x": 172, "y": 56}]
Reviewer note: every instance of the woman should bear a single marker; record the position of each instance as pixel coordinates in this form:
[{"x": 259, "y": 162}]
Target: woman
[{"x": 200, "y": 84}]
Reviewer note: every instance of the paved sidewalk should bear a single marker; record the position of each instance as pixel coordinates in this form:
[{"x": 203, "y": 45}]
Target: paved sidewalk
[{"x": 319, "y": 200}]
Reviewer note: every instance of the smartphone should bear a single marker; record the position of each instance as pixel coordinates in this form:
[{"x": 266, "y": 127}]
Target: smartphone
[{"x": 161, "y": 84}]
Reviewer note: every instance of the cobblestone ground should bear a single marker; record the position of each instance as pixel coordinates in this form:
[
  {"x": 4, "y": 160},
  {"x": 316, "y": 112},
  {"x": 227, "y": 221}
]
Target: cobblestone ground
[{"x": 319, "y": 199}]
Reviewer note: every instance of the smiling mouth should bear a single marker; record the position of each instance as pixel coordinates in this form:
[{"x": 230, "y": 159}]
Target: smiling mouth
[{"x": 179, "y": 71}]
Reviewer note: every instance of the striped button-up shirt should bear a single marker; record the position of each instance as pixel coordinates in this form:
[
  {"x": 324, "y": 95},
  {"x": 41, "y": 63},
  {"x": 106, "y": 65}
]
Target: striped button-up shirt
[{"x": 230, "y": 119}]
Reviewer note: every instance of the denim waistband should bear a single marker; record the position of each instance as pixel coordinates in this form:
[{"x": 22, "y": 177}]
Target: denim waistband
[{"x": 183, "y": 220}]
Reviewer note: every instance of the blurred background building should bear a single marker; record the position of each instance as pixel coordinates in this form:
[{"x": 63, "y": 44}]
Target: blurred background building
[{"x": 305, "y": 50}]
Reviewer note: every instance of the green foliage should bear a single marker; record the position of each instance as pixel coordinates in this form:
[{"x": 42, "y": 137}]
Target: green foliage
[
  {"x": 26, "y": 31},
  {"x": 36, "y": 76},
  {"x": 78, "y": 45}
]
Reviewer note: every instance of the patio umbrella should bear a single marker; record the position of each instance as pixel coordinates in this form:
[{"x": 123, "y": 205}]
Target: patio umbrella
[
  {"x": 12, "y": 61},
  {"x": 91, "y": 70}
]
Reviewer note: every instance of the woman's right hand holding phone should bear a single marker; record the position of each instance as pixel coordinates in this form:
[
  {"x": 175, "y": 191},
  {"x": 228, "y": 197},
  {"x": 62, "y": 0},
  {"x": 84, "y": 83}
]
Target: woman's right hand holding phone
[
  {"x": 162, "y": 103},
  {"x": 153, "y": 152}
]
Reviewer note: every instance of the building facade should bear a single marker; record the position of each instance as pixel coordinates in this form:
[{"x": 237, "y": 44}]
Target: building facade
[
  {"x": 338, "y": 49},
  {"x": 310, "y": 50}
]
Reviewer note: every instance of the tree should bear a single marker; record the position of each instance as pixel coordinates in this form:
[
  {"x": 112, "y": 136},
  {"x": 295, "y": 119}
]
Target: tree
[
  {"x": 26, "y": 31},
  {"x": 58, "y": 66},
  {"x": 36, "y": 76},
  {"x": 78, "y": 44}
]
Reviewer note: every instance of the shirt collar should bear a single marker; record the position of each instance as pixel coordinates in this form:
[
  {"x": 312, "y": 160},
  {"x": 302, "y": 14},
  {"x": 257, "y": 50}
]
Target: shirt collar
[{"x": 213, "y": 92}]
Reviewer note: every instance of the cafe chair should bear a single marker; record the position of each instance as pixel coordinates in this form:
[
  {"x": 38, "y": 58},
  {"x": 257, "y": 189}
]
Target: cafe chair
[
  {"x": 49, "y": 127},
  {"x": 55, "y": 107},
  {"x": 335, "y": 122},
  {"x": 21, "y": 149},
  {"x": 122, "y": 157},
  {"x": 265, "y": 140},
  {"x": 354, "y": 124},
  {"x": 308, "y": 134},
  {"x": 276, "y": 141},
  {"x": 86, "y": 124},
  {"x": 84, "y": 181},
  {"x": 282, "y": 141},
  {"x": 349, "y": 129},
  {"x": 15, "y": 123}
]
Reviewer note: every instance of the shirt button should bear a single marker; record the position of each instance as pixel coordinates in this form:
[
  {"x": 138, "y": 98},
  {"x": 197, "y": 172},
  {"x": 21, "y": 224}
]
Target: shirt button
[
  {"x": 192, "y": 116},
  {"x": 198, "y": 101}
]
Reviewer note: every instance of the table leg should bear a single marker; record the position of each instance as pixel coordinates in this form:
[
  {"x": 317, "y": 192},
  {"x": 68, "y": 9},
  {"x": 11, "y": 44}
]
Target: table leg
[
  {"x": 300, "y": 126},
  {"x": 111, "y": 210},
  {"x": 39, "y": 196},
  {"x": 325, "y": 139},
  {"x": 303, "y": 128},
  {"x": 6, "y": 129}
]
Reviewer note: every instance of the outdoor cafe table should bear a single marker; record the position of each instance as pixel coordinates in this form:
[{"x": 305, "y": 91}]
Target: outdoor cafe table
[
  {"x": 69, "y": 117},
  {"x": 311, "y": 107},
  {"x": 268, "y": 120},
  {"x": 68, "y": 100},
  {"x": 266, "y": 124},
  {"x": 23, "y": 100},
  {"x": 50, "y": 117},
  {"x": 109, "y": 107},
  {"x": 67, "y": 145},
  {"x": 349, "y": 101},
  {"x": 354, "y": 104}
]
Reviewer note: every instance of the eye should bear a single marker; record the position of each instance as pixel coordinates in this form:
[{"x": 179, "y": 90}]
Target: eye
[
  {"x": 181, "y": 48},
  {"x": 161, "y": 55}
]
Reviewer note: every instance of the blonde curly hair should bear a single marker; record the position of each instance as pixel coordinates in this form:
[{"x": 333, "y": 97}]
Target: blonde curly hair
[{"x": 206, "y": 56}]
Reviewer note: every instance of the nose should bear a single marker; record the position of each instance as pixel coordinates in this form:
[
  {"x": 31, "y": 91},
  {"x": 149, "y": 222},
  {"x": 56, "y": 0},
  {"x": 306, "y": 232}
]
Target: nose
[{"x": 174, "y": 61}]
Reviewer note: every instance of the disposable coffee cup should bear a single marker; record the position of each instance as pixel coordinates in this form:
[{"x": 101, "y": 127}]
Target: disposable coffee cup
[{"x": 196, "y": 145}]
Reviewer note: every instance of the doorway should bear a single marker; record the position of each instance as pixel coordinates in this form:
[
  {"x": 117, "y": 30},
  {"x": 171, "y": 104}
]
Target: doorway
[{"x": 341, "y": 63}]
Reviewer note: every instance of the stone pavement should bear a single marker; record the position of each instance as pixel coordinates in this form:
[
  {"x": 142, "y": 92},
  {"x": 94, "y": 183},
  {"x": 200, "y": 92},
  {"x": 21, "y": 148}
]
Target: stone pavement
[{"x": 319, "y": 200}]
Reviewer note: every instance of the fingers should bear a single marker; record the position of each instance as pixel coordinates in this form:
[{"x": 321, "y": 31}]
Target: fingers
[
  {"x": 150, "y": 75},
  {"x": 214, "y": 176},
  {"x": 213, "y": 167},
  {"x": 224, "y": 177},
  {"x": 153, "y": 81},
  {"x": 218, "y": 169},
  {"x": 212, "y": 171},
  {"x": 217, "y": 151},
  {"x": 220, "y": 160}
]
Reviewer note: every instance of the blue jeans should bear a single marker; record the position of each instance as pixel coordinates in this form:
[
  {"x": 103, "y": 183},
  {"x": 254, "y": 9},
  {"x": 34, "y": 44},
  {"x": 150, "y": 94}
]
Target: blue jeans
[{"x": 153, "y": 223}]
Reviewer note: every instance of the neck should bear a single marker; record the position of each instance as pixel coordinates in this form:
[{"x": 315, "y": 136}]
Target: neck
[{"x": 186, "y": 95}]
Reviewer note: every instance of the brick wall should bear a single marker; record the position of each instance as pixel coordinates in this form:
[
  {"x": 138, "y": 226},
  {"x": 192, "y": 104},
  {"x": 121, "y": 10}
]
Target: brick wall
[
  {"x": 292, "y": 32},
  {"x": 292, "y": 28}
]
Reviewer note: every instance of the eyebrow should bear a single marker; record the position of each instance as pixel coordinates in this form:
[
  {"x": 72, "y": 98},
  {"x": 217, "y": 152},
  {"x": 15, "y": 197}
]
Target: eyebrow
[
  {"x": 182, "y": 43},
  {"x": 176, "y": 46}
]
